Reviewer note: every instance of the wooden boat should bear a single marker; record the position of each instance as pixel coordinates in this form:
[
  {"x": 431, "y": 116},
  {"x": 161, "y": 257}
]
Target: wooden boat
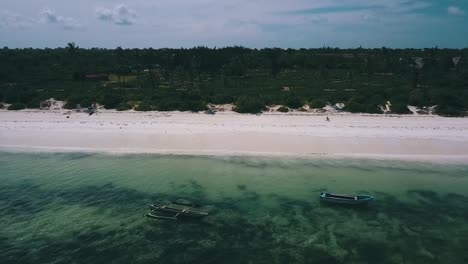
[
  {"x": 345, "y": 199},
  {"x": 175, "y": 210}
]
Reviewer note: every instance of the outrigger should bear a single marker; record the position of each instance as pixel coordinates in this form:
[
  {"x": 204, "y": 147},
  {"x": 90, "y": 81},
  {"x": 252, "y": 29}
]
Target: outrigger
[{"x": 174, "y": 211}]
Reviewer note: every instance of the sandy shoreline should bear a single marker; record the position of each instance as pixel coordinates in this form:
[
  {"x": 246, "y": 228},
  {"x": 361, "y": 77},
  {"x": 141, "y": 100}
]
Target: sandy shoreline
[{"x": 227, "y": 133}]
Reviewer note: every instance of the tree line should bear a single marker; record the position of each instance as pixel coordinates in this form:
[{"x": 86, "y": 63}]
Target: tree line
[{"x": 189, "y": 79}]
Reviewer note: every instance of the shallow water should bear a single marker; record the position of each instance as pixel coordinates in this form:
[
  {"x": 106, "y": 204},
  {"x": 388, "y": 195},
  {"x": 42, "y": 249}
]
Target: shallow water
[{"x": 88, "y": 208}]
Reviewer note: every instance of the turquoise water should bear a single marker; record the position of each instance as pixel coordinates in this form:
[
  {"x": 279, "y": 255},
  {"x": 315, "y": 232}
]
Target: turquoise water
[{"x": 88, "y": 208}]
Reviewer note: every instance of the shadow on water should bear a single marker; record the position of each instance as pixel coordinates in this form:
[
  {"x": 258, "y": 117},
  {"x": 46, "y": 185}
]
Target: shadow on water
[
  {"x": 78, "y": 156},
  {"x": 430, "y": 228},
  {"x": 388, "y": 231},
  {"x": 263, "y": 163}
]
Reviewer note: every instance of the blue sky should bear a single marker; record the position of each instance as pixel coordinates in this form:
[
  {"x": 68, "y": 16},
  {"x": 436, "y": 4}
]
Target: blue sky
[{"x": 251, "y": 23}]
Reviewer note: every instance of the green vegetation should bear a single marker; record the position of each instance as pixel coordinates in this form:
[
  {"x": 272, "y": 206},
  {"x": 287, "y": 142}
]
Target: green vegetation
[
  {"x": 399, "y": 108},
  {"x": 283, "y": 109},
  {"x": 317, "y": 103},
  {"x": 70, "y": 105},
  {"x": 293, "y": 101},
  {"x": 144, "y": 106},
  {"x": 17, "y": 106},
  {"x": 251, "y": 105},
  {"x": 189, "y": 79},
  {"x": 124, "y": 107},
  {"x": 449, "y": 110}
]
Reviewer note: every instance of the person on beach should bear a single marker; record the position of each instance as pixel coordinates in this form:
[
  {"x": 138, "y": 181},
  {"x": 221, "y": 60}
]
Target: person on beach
[{"x": 327, "y": 119}]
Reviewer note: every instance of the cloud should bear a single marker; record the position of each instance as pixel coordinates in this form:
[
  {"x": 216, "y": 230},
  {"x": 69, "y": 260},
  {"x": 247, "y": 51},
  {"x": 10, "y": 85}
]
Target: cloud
[
  {"x": 257, "y": 23},
  {"x": 104, "y": 14},
  {"x": 369, "y": 17},
  {"x": 9, "y": 19},
  {"x": 334, "y": 6},
  {"x": 455, "y": 10},
  {"x": 330, "y": 9},
  {"x": 50, "y": 17},
  {"x": 409, "y": 6},
  {"x": 119, "y": 15}
]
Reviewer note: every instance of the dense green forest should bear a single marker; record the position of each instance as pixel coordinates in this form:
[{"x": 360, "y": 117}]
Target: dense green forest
[{"x": 189, "y": 79}]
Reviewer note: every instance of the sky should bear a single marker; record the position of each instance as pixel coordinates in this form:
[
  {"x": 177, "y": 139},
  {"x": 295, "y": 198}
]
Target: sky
[{"x": 219, "y": 23}]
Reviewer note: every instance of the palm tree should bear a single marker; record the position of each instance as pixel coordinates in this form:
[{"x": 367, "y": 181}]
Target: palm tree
[
  {"x": 71, "y": 47},
  {"x": 76, "y": 66},
  {"x": 71, "y": 50}
]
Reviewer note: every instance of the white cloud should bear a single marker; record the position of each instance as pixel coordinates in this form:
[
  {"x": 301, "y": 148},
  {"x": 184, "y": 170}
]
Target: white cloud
[
  {"x": 455, "y": 10},
  {"x": 119, "y": 15},
  {"x": 256, "y": 23},
  {"x": 370, "y": 17},
  {"x": 410, "y": 6},
  {"x": 50, "y": 17},
  {"x": 12, "y": 20},
  {"x": 104, "y": 14}
]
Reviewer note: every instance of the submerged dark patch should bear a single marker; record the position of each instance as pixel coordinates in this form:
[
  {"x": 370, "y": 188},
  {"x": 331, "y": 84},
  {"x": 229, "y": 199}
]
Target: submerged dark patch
[
  {"x": 234, "y": 239},
  {"x": 250, "y": 225}
]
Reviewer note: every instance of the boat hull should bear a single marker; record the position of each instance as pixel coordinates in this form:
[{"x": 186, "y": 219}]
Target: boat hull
[
  {"x": 175, "y": 210},
  {"x": 345, "y": 199},
  {"x": 169, "y": 210},
  {"x": 151, "y": 215}
]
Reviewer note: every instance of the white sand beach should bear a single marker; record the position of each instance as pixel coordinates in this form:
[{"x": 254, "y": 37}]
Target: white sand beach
[{"x": 298, "y": 134}]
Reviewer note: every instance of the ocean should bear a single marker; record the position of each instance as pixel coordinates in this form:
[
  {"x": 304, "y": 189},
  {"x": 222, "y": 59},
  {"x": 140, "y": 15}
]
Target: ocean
[{"x": 89, "y": 208}]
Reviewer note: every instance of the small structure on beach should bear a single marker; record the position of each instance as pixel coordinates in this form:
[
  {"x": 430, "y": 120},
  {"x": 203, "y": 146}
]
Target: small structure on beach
[{"x": 339, "y": 106}]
